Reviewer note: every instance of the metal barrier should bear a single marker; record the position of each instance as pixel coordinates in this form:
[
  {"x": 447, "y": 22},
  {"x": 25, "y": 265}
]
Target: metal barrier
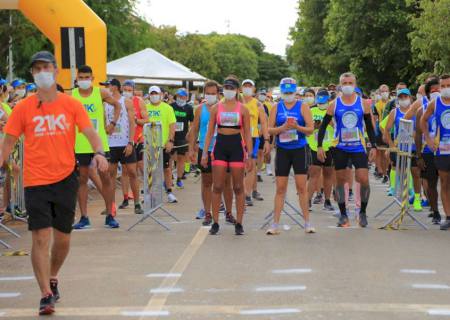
[
  {"x": 153, "y": 175},
  {"x": 405, "y": 140}
]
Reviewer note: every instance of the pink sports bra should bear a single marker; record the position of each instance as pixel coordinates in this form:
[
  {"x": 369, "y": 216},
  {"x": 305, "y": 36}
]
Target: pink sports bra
[{"x": 229, "y": 119}]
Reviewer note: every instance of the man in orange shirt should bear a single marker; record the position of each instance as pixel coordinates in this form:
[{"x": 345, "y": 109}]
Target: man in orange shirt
[{"x": 48, "y": 121}]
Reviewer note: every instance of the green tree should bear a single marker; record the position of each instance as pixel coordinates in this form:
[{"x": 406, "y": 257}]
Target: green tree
[{"x": 271, "y": 69}]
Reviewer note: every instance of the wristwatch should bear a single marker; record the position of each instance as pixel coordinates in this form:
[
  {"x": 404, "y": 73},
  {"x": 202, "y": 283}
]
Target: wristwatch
[{"x": 99, "y": 153}]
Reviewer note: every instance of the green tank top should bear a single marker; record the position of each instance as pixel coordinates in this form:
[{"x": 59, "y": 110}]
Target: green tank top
[
  {"x": 7, "y": 108},
  {"x": 94, "y": 107},
  {"x": 318, "y": 115}
]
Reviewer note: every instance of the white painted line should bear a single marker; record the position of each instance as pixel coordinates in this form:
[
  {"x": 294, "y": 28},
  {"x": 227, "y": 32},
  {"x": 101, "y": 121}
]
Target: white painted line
[
  {"x": 256, "y": 312},
  {"x": 166, "y": 290},
  {"x": 341, "y": 228},
  {"x": 144, "y": 313},
  {"x": 280, "y": 289},
  {"x": 9, "y": 294},
  {"x": 431, "y": 286},
  {"x": 20, "y": 278},
  {"x": 439, "y": 312},
  {"x": 418, "y": 271},
  {"x": 291, "y": 271},
  {"x": 2, "y": 314},
  {"x": 163, "y": 275}
]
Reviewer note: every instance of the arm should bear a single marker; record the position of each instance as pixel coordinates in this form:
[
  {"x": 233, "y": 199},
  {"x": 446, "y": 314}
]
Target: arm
[
  {"x": 193, "y": 130},
  {"x": 369, "y": 121},
  {"x": 130, "y": 111},
  {"x": 264, "y": 128},
  {"x": 99, "y": 161},
  {"x": 210, "y": 132},
  {"x": 424, "y": 124},
  {"x": 418, "y": 134},
  {"x": 272, "y": 128},
  {"x": 308, "y": 129},
  {"x": 247, "y": 136},
  {"x": 144, "y": 114},
  {"x": 323, "y": 127},
  {"x": 108, "y": 98},
  {"x": 413, "y": 110},
  {"x": 9, "y": 142},
  {"x": 387, "y": 129}
]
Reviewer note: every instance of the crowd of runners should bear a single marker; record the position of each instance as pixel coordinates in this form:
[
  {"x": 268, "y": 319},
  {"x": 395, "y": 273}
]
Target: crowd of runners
[{"x": 232, "y": 134}]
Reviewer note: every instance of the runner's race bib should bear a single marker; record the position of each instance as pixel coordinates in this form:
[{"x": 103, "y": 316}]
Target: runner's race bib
[
  {"x": 350, "y": 134},
  {"x": 288, "y": 136},
  {"x": 179, "y": 126},
  {"x": 444, "y": 145},
  {"x": 229, "y": 119}
]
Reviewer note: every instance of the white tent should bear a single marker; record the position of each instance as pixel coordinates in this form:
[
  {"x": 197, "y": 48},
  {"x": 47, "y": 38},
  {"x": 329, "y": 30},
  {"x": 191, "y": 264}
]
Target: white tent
[{"x": 151, "y": 67}]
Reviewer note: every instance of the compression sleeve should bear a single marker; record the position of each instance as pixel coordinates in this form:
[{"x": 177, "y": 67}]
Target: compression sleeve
[
  {"x": 369, "y": 128},
  {"x": 323, "y": 127}
]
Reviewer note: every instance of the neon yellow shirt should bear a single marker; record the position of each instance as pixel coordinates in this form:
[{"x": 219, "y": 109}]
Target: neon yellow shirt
[
  {"x": 163, "y": 114},
  {"x": 7, "y": 108},
  {"x": 252, "y": 107},
  {"x": 318, "y": 115}
]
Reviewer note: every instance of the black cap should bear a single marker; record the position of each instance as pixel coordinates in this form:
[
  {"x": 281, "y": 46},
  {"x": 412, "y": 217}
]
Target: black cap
[
  {"x": 43, "y": 56},
  {"x": 262, "y": 90},
  {"x": 232, "y": 83},
  {"x": 112, "y": 82}
]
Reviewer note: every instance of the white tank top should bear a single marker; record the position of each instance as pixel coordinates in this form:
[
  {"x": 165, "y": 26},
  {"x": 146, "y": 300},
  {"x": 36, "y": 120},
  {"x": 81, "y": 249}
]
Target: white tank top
[{"x": 121, "y": 134}]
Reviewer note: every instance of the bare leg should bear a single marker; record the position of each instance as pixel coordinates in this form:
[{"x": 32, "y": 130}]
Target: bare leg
[
  {"x": 207, "y": 191},
  {"x": 313, "y": 183},
  {"x": 228, "y": 194},
  {"x": 237, "y": 175},
  {"x": 303, "y": 199},
  {"x": 83, "y": 190},
  {"x": 60, "y": 250},
  {"x": 131, "y": 169},
  {"x": 218, "y": 176},
  {"x": 40, "y": 258},
  {"x": 280, "y": 195}
]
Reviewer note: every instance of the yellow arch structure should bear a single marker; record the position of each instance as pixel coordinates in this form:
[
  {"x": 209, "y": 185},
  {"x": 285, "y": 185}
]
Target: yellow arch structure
[{"x": 49, "y": 16}]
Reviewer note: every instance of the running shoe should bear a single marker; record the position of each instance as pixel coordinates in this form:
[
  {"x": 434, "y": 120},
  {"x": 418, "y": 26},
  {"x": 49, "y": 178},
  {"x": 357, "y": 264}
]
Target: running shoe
[
  {"x": 259, "y": 178},
  {"x": 257, "y": 196},
  {"x": 208, "y": 219},
  {"x": 318, "y": 198},
  {"x": 214, "y": 229},
  {"x": 430, "y": 215},
  {"x": 180, "y": 184},
  {"x": 229, "y": 218},
  {"x": 238, "y": 229},
  {"x": 309, "y": 228},
  {"x": 110, "y": 222},
  {"x": 274, "y": 230},
  {"x": 124, "y": 204},
  {"x": 362, "y": 219},
  {"x": 328, "y": 206},
  {"x": 138, "y": 209},
  {"x": 183, "y": 177},
  {"x": 269, "y": 171},
  {"x": 248, "y": 201},
  {"x": 436, "y": 218},
  {"x": 47, "y": 305},
  {"x": 54, "y": 288},
  {"x": 222, "y": 208},
  {"x": 84, "y": 223},
  {"x": 417, "y": 205},
  {"x": 171, "y": 198},
  {"x": 445, "y": 225},
  {"x": 385, "y": 179},
  {"x": 425, "y": 203},
  {"x": 390, "y": 192},
  {"x": 201, "y": 214},
  {"x": 343, "y": 222}
]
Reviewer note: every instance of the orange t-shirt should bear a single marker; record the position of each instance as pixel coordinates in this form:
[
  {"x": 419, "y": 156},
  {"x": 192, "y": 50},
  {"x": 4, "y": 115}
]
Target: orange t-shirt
[{"x": 49, "y": 132}]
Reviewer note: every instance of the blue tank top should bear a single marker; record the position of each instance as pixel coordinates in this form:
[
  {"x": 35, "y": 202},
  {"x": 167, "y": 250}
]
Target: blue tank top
[
  {"x": 442, "y": 116},
  {"x": 431, "y": 126},
  {"x": 349, "y": 134},
  {"x": 290, "y": 139},
  {"x": 203, "y": 128},
  {"x": 399, "y": 115}
]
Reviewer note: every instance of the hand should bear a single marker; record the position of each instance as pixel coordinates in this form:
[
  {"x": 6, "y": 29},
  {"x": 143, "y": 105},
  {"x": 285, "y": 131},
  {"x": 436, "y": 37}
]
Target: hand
[
  {"x": 128, "y": 150},
  {"x": 321, "y": 156},
  {"x": 249, "y": 164},
  {"x": 372, "y": 154},
  {"x": 204, "y": 162},
  {"x": 100, "y": 163},
  {"x": 293, "y": 124},
  {"x": 421, "y": 164},
  {"x": 109, "y": 129},
  {"x": 431, "y": 144},
  {"x": 266, "y": 149},
  {"x": 192, "y": 157},
  {"x": 168, "y": 146}
]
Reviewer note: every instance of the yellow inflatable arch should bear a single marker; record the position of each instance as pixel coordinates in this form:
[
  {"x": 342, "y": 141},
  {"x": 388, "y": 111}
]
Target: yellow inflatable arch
[{"x": 51, "y": 16}]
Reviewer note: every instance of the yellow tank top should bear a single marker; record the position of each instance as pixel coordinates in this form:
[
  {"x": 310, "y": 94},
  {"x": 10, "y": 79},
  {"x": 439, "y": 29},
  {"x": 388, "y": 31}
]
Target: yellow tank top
[
  {"x": 253, "y": 109},
  {"x": 94, "y": 107}
]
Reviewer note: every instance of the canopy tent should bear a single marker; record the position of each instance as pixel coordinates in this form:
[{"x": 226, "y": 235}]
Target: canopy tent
[{"x": 151, "y": 67}]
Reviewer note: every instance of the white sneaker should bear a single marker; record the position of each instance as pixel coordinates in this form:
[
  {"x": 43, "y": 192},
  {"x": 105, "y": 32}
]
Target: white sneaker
[
  {"x": 269, "y": 171},
  {"x": 171, "y": 198},
  {"x": 309, "y": 228}
]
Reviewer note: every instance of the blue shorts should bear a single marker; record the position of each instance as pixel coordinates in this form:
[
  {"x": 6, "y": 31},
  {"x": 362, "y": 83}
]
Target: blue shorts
[{"x": 256, "y": 142}]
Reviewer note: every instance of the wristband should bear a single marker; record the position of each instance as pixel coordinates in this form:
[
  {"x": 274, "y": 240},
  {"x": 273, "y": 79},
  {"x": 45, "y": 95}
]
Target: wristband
[{"x": 99, "y": 153}]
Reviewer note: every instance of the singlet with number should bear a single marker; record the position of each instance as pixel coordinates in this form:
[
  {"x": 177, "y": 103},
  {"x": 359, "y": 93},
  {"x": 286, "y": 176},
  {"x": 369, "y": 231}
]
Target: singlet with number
[
  {"x": 121, "y": 134},
  {"x": 229, "y": 119},
  {"x": 252, "y": 107},
  {"x": 96, "y": 112},
  {"x": 399, "y": 115},
  {"x": 290, "y": 139},
  {"x": 442, "y": 115},
  {"x": 431, "y": 126},
  {"x": 349, "y": 134},
  {"x": 203, "y": 128}
]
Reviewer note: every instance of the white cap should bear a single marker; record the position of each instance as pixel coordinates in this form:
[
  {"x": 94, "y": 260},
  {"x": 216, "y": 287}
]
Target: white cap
[
  {"x": 248, "y": 81},
  {"x": 154, "y": 89}
]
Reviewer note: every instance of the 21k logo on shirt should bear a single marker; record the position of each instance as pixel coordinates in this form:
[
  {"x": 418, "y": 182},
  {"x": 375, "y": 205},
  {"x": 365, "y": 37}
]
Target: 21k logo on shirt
[{"x": 50, "y": 125}]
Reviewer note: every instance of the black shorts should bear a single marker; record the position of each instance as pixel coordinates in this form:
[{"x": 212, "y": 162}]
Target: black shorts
[
  {"x": 380, "y": 142},
  {"x": 208, "y": 169},
  {"x": 85, "y": 159},
  {"x": 139, "y": 149},
  {"x": 343, "y": 160},
  {"x": 180, "y": 150},
  {"x": 328, "y": 161},
  {"x": 261, "y": 143},
  {"x": 118, "y": 155},
  {"x": 52, "y": 205},
  {"x": 229, "y": 151},
  {"x": 393, "y": 158},
  {"x": 298, "y": 159},
  {"x": 430, "y": 172},
  {"x": 442, "y": 163}
]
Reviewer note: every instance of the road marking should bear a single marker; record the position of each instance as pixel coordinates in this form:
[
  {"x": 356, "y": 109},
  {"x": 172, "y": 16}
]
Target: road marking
[
  {"x": 269, "y": 311},
  {"x": 9, "y": 294},
  {"x": 418, "y": 271},
  {"x": 291, "y": 271},
  {"x": 157, "y": 302},
  {"x": 20, "y": 278},
  {"x": 341, "y": 228},
  {"x": 280, "y": 289},
  {"x": 163, "y": 275},
  {"x": 439, "y": 312},
  {"x": 431, "y": 286},
  {"x": 145, "y": 313},
  {"x": 166, "y": 290}
]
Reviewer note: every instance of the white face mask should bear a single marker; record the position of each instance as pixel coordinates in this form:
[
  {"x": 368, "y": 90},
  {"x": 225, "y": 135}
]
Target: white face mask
[
  {"x": 44, "y": 79},
  {"x": 348, "y": 90},
  {"x": 309, "y": 100},
  {"x": 435, "y": 95},
  {"x": 127, "y": 94},
  {"x": 378, "y": 97},
  {"x": 289, "y": 98},
  {"x": 84, "y": 84},
  {"x": 211, "y": 99},
  {"x": 262, "y": 98},
  {"x": 229, "y": 94},
  {"x": 404, "y": 103},
  {"x": 21, "y": 93},
  {"x": 181, "y": 103},
  {"x": 247, "y": 91},
  {"x": 419, "y": 96},
  {"x": 155, "y": 98},
  {"x": 445, "y": 93},
  {"x": 385, "y": 95}
]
